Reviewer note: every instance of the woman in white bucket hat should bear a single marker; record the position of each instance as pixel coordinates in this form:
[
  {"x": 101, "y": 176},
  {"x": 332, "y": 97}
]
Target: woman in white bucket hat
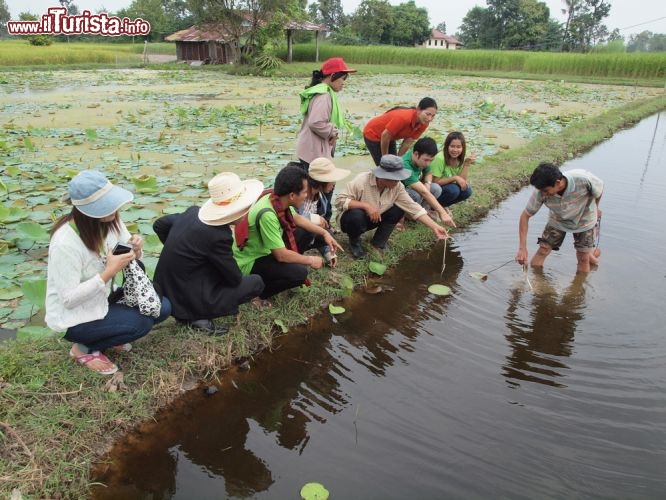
[
  {"x": 196, "y": 268},
  {"x": 81, "y": 270}
]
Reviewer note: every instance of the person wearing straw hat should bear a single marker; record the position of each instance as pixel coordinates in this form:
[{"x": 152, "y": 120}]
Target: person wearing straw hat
[
  {"x": 322, "y": 176},
  {"x": 378, "y": 199},
  {"x": 196, "y": 268},
  {"x": 270, "y": 249},
  {"x": 81, "y": 270}
]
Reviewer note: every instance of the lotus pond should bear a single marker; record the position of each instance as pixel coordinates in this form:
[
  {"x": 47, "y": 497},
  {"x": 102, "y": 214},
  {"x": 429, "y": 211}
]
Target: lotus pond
[{"x": 165, "y": 133}]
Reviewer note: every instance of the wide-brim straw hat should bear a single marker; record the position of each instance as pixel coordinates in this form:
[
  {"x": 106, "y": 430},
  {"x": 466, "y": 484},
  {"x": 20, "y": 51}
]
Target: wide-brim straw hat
[
  {"x": 230, "y": 198},
  {"x": 93, "y": 195},
  {"x": 391, "y": 168},
  {"x": 323, "y": 170}
]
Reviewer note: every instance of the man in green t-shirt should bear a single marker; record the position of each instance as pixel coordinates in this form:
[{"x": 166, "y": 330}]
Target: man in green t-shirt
[
  {"x": 271, "y": 250},
  {"x": 419, "y": 185}
]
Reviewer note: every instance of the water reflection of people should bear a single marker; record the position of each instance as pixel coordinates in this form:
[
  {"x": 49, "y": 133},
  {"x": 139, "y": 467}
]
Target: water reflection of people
[{"x": 539, "y": 343}]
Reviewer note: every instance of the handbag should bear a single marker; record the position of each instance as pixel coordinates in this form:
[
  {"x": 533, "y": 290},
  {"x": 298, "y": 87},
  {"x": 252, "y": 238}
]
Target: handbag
[{"x": 138, "y": 291}]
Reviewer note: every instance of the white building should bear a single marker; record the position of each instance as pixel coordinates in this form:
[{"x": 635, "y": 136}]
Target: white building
[{"x": 439, "y": 40}]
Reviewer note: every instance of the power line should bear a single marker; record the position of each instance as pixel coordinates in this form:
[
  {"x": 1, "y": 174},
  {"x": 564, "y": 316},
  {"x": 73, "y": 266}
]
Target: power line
[{"x": 641, "y": 24}]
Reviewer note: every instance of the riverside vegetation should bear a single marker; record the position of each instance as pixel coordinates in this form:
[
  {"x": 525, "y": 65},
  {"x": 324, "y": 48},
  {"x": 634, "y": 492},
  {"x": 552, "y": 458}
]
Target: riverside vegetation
[{"x": 57, "y": 419}]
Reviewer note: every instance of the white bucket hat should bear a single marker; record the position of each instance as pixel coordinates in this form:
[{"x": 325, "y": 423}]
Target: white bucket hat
[{"x": 230, "y": 198}]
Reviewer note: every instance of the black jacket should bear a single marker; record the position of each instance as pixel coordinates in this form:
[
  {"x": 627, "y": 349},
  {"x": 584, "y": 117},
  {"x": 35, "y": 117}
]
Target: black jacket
[{"x": 196, "y": 270}]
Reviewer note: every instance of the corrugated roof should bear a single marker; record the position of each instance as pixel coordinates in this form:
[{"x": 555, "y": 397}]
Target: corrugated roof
[
  {"x": 305, "y": 26},
  {"x": 207, "y": 33}
]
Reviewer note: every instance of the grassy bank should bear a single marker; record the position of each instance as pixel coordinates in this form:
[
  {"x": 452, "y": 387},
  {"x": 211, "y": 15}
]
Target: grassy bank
[{"x": 56, "y": 418}]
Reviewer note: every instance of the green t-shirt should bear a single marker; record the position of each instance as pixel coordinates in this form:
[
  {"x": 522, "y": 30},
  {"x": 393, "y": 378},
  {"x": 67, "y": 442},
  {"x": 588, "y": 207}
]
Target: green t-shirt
[
  {"x": 416, "y": 172},
  {"x": 439, "y": 169},
  {"x": 259, "y": 245}
]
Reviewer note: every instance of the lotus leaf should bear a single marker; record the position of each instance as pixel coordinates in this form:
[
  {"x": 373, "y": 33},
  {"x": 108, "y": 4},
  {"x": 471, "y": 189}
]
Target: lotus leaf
[
  {"x": 439, "y": 289},
  {"x": 479, "y": 276},
  {"x": 33, "y": 331},
  {"x": 333, "y": 309},
  {"x": 33, "y": 231},
  {"x": 145, "y": 183},
  {"x": 377, "y": 268},
  {"x": 34, "y": 292},
  {"x": 314, "y": 491},
  {"x": 282, "y": 326}
]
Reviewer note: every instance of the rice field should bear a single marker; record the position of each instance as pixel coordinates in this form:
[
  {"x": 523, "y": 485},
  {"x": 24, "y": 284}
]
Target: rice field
[{"x": 650, "y": 66}]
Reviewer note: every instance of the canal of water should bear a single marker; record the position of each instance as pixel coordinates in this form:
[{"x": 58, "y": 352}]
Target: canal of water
[{"x": 538, "y": 385}]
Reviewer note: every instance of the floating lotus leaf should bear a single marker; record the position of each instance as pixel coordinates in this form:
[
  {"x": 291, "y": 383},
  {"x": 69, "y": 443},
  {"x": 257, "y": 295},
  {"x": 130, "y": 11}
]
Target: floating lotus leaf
[
  {"x": 12, "y": 214},
  {"x": 333, "y": 309},
  {"x": 3, "y": 187},
  {"x": 377, "y": 268},
  {"x": 439, "y": 289},
  {"x": 4, "y": 247},
  {"x": 190, "y": 175},
  {"x": 314, "y": 491},
  {"x": 152, "y": 243},
  {"x": 145, "y": 183},
  {"x": 33, "y": 231},
  {"x": 479, "y": 276}
]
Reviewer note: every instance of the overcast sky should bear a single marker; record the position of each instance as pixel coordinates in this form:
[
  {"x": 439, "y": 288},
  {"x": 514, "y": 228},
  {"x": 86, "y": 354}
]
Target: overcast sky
[{"x": 629, "y": 16}]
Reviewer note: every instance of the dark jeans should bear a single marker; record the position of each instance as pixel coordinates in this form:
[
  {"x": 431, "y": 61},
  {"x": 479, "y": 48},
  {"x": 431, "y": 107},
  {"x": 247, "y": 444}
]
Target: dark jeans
[
  {"x": 121, "y": 325},
  {"x": 451, "y": 194},
  {"x": 305, "y": 240},
  {"x": 375, "y": 150},
  {"x": 278, "y": 276},
  {"x": 355, "y": 221}
]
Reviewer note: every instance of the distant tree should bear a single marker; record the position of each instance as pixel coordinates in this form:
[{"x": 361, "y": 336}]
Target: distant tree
[
  {"x": 475, "y": 30},
  {"x": 410, "y": 26},
  {"x": 372, "y": 21},
  {"x": 5, "y": 16},
  {"x": 584, "y": 27},
  {"x": 510, "y": 24},
  {"x": 441, "y": 27},
  {"x": 251, "y": 23},
  {"x": 646, "y": 41},
  {"x": 328, "y": 12}
]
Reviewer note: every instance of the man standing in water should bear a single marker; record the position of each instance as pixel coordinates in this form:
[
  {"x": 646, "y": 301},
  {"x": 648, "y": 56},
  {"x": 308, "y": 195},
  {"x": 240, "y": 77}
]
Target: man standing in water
[{"x": 573, "y": 200}]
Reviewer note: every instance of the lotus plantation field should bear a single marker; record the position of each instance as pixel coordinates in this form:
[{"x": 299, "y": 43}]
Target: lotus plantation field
[{"x": 164, "y": 133}]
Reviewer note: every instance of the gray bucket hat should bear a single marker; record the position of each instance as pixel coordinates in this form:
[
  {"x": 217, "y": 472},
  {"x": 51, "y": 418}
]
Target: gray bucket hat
[{"x": 391, "y": 168}]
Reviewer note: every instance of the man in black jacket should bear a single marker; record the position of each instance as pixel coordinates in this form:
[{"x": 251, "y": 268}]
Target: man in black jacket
[{"x": 196, "y": 269}]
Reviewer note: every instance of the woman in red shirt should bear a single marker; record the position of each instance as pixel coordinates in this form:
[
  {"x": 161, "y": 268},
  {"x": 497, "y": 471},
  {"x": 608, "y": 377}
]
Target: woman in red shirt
[{"x": 382, "y": 132}]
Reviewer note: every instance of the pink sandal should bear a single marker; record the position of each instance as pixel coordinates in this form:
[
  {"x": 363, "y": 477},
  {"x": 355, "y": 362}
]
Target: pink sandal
[{"x": 96, "y": 355}]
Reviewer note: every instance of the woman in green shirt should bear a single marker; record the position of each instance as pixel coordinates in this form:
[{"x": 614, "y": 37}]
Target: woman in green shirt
[{"x": 449, "y": 169}]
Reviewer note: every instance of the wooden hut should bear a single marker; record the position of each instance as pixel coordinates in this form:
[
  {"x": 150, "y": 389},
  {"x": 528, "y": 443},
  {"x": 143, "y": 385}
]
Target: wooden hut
[{"x": 209, "y": 44}]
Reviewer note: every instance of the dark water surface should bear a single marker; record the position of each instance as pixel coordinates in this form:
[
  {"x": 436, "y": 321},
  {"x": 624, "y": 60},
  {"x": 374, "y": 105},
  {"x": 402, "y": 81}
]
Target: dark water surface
[{"x": 554, "y": 388}]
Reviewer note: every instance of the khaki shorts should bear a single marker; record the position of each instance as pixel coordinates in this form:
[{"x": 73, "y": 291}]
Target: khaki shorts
[{"x": 553, "y": 238}]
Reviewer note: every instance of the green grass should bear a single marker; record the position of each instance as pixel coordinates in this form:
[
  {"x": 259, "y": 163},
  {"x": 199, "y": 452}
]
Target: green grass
[
  {"x": 56, "y": 419},
  {"x": 643, "y": 66},
  {"x": 19, "y": 53}
]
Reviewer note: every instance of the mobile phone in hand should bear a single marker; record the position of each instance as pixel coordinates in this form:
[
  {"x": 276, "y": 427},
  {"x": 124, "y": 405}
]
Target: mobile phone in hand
[{"x": 121, "y": 248}]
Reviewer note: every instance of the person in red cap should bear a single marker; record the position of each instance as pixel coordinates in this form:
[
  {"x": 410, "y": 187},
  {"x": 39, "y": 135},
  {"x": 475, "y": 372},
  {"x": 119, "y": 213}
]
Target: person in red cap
[{"x": 323, "y": 117}]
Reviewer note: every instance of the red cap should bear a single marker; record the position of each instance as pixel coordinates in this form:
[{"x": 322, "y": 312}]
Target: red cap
[{"x": 335, "y": 65}]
